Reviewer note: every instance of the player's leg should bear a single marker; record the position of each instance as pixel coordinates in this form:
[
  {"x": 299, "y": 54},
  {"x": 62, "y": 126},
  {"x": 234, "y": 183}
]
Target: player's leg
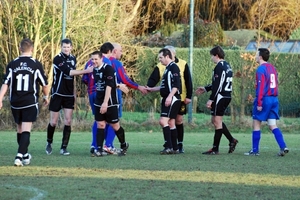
[
  {"x": 66, "y": 131},
  {"x": 179, "y": 126},
  {"x": 100, "y": 135},
  {"x": 54, "y": 108},
  {"x": 273, "y": 116},
  {"x": 258, "y": 117},
  {"x": 217, "y": 122},
  {"x": 173, "y": 112},
  {"x": 110, "y": 133},
  {"x": 94, "y": 126},
  {"x": 113, "y": 120}
]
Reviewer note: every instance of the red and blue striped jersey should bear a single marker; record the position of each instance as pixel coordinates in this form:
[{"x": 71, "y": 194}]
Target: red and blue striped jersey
[
  {"x": 122, "y": 77},
  {"x": 88, "y": 79},
  {"x": 266, "y": 82}
]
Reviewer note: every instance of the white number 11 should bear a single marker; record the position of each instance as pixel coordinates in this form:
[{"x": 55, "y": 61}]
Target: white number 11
[{"x": 20, "y": 78}]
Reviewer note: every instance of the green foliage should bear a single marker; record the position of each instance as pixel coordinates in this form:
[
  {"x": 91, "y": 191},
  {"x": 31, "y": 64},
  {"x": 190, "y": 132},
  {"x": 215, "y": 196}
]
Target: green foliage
[
  {"x": 295, "y": 34},
  {"x": 168, "y": 28},
  {"x": 206, "y": 34},
  {"x": 243, "y": 86}
]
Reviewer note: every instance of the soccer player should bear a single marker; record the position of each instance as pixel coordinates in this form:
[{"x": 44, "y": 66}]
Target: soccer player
[
  {"x": 106, "y": 50},
  {"x": 169, "y": 88},
  {"x": 24, "y": 75},
  {"x": 186, "y": 94},
  {"x": 266, "y": 104},
  {"x": 63, "y": 94},
  {"x": 106, "y": 103},
  {"x": 219, "y": 99},
  {"x": 121, "y": 78}
]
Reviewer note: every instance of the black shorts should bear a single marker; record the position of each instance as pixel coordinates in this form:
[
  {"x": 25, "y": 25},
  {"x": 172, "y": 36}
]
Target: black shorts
[
  {"x": 111, "y": 116},
  {"x": 219, "y": 106},
  {"x": 182, "y": 110},
  {"x": 172, "y": 110},
  {"x": 25, "y": 114},
  {"x": 58, "y": 102}
]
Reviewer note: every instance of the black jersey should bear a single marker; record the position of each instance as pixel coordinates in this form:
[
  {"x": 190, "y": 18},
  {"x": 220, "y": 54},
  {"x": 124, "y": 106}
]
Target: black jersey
[
  {"x": 170, "y": 79},
  {"x": 104, "y": 76},
  {"x": 24, "y": 75},
  {"x": 63, "y": 83},
  {"x": 221, "y": 81}
]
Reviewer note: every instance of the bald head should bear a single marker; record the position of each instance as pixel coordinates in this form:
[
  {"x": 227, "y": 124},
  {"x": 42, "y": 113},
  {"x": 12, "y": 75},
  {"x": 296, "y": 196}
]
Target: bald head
[{"x": 117, "y": 52}]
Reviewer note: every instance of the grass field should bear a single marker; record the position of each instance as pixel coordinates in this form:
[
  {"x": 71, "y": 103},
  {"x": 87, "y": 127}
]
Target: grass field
[{"x": 144, "y": 174}]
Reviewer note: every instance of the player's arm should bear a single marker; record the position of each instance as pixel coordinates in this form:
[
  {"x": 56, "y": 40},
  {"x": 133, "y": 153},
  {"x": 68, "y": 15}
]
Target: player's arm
[
  {"x": 103, "y": 108},
  {"x": 45, "y": 90},
  {"x": 3, "y": 91},
  {"x": 75, "y": 72},
  {"x": 260, "y": 82},
  {"x": 154, "y": 78},
  {"x": 216, "y": 82},
  {"x": 124, "y": 77},
  {"x": 85, "y": 77},
  {"x": 188, "y": 83}
]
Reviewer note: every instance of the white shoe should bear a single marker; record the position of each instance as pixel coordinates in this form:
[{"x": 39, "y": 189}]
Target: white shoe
[
  {"x": 18, "y": 162},
  {"x": 64, "y": 152},
  {"x": 26, "y": 159}
]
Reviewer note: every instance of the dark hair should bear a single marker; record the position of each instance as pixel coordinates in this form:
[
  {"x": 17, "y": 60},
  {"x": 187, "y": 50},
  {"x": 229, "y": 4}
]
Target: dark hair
[
  {"x": 97, "y": 53},
  {"x": 25, "y": 45},
  {"x": 66, "y": 41},
  {"x": 166, "y": 52},
  {"x": 264, "y": 53},
  {"x": 217, "y": 50},
  {"x": 106, "y": 47}
]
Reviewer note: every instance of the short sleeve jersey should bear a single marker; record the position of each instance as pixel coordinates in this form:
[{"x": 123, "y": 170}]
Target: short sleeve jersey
[
  {"x": 24, "y": 75},
  {"x": 104, "y": 76},
  {"x": 221, "y": 81},
  {"x": 63, "y": 83},
  {"x": 170, "y": 79}
]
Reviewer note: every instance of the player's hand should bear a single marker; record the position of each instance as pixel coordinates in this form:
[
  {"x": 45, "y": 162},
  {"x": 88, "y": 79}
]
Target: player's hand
[
  {"x": 89, "y": 69},
  {"x": 187, "y": 101},
  {"x": 45, "y": 101},
  {"x": 1, "y": 104},
  {"x": 142, "y": 89},
  {"x": 200, "y": 90},
  {"x": 103, "y": 108},
  {"x": 168, "y": 101},
  {"x": 208, "y": 104},
  {"x": 123, "y": 88},
  {"x": 259, "y": 108}
]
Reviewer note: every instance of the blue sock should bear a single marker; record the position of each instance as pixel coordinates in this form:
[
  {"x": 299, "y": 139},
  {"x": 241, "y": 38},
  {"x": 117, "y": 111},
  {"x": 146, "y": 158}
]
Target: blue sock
[
  {"x": 255, "y": 140},
  {"x": 279, "y": 138},
  {"x": 110, "y": 136},
  {"x": 94, "y": 135}
]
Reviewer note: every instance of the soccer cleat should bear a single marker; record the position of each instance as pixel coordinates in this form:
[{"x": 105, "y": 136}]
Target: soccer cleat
[
  {"x": 99, "y": 153},
  {"x": 18, "y": 162},
  {"x": 232, "y": 145},
  {"x": 166, "y": 151},
  {"x": 110, "y": 150},
  {"x": 92, "y": 149},
  {"x": 64, "y": 152},
  {"x": 181, "y": 150},
  {"x": 282, "y": 152},
  {"x": 48, "y": 148},
  {"x": 26, "y": 159},
  {"x": 211, "y": 152},
  {"x": 176, "y": 151},
  {"x": 251, "y": 153},
  {"x": 123, "y": 149}
]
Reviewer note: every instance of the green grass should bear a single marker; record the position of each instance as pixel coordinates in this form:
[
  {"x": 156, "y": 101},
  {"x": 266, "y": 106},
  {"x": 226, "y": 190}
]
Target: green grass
[{"x": 144, "y": 174}]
